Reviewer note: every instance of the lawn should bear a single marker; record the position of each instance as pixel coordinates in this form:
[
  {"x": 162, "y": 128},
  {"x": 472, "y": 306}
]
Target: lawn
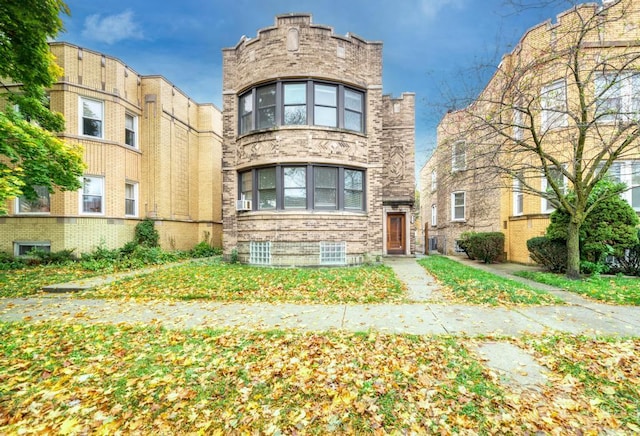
[
  {"x": 27, "y": 281},
  {"x": 76, "y": 379},
  {"x": 243, "y": 283},
  {"x": 469, "y": 285},
  {"x": 611, "y": 289}
]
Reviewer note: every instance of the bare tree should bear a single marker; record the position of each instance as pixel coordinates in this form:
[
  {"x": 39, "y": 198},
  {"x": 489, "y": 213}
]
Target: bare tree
[{"x": 561, "y": 109}]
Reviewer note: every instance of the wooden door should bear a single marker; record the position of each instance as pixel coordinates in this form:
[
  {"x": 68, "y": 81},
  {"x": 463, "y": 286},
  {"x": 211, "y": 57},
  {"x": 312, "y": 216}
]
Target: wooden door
[{"x": 396, "y": 233}]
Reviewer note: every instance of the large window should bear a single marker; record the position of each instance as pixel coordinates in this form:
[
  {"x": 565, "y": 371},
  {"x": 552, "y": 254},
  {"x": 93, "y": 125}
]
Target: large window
[
  {"x": 628, "y": 172},
  {"x": 518, "y": 197},
  {"x": 320, "y": 187},
  {"x": 286, "y": 103},
  {"x": 617, "y": 97},
  {"x": 92, "y": 200},
  {"x": 434, "y": 215},
  {"x": 91, "y": 117},
  {"x": 434, "y": 180},
  {"x": 131, "y": 199},
  {"x": 459, "y": 156},
  {"x": 40, "y": 204},
  {"x": 556, "y": 175},
  {"x": 131, "y": 130},
  {"x": 553, "y": 102},
  {"x": 458, "y": 205}
]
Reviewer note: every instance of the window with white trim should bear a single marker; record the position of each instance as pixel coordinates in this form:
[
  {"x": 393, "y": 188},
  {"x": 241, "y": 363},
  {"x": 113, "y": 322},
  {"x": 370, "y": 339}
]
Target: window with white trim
[
  {"x": 23, "y": 248},
  {"x": 553, "y": 102},
  {"x": 131, "y": 130},
  {"x": 92, "y": 198},
  {"x": 518, "y": 197},
  {"x": 91, "y": 117},
  {"x": 556, "y": 175},
  {"x": 434, "y": 180},
  {"x": 131, "y": 199},
  {"x": 518, "y": 128},
  {"x": 40, "y": 204},
  {"x": 458, "y": 206},
  {"x": 458, "y": 156},
  {"x": 434, "y": 215},
  {"x": 260, "y": 252},
  {"x": 628, "y": 172},
  {"x": 617, "y": 97}
]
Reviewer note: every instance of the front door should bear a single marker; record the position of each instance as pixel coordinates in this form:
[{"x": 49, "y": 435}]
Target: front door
[{"x": 396, "y": 233}]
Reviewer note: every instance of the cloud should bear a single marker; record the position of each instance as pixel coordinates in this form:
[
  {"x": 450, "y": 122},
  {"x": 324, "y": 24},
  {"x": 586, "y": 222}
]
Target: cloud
[
  {"x": 430, "y": 8},
  {"x": 111, "y": 28}
]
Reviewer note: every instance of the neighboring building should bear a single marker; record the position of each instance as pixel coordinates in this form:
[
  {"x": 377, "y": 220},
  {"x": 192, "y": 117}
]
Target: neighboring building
[
  {"x": 150, "y": 152},
  {"x": 461, "y": 189},
  {"x": 317, "y": 163}
]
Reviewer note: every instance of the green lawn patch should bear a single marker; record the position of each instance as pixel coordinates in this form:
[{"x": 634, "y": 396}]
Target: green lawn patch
[
  {"x": 611, "y": 289},
  {"x": 235, "y": 282},
  {"x": 470, "y": 285},
  {"x": 28, "y": 281},
  {"x": 80, "y": 379}
]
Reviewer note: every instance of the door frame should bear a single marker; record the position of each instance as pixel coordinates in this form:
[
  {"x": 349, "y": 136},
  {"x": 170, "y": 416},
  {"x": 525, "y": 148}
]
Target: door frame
[{"x": 407, "y": 228}]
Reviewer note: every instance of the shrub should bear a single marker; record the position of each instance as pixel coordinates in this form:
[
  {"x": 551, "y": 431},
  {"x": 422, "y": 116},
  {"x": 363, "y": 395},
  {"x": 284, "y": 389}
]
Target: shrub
[
  {"x": 486, "y": 246},
  {"x": 629, "y": 262},
  {"x": 464, "y": 245},
  {"x": 9, "y": 261},
  {"x": 203, "y": 249},
  {"x": 550, "y": 253},
  {"x": 146, "y": 233}
]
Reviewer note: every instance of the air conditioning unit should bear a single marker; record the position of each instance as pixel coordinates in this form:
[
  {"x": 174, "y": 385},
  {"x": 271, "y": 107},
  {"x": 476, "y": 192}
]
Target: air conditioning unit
[{"x": 243, "y": 205}]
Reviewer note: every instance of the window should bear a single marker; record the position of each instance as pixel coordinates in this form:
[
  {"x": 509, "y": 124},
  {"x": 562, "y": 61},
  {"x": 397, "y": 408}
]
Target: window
[
  {"x": 246, "y": 113},
  {"x": 458, "y": 156},
  {"x": 518, "y": 197},
  {"x": 295, "y": 104},
  {"x": 295, "y": 187},
  {"x": 518, "y": 128},
  {"x": 290, "y": 103},
  {"x": 556, "y": 175},
  {"x": 553, "y": 102},
  {"x": 40, "y": 204},
  {"x": 23, "y": 248},
  {"x": 326, "y": 105},
  {"x": 434, "y": 215},
  {"x": 353, "y": 110},
  {"x": 434, "y": 180},
  {"x": 628, "y": 172},
  {"x": 130, "y": 130},
  {"x": 321, "y": 187},
  {"x": 353, "y": 189},
  {"x": 266, "y": 106},
  {"x": 91, "y": 116},
  {"x": 333, "y": 253},
  {"x": 92, "y": 199},
  {"x": 131, "y": 199},
  {"x": 267, "y": 188},
  {"x": 458, "y": 206},
  {"x": 260, "y": 253},
  {"x": 617, "y": 97}
]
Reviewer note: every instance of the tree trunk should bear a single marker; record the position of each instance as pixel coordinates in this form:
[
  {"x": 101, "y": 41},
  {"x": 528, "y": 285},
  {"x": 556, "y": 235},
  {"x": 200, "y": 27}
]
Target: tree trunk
[{"x": 573, "y": 250}]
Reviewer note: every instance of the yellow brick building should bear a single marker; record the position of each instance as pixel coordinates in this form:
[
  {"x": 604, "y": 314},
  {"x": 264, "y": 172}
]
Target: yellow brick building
[
  {"x": 575, "y": 84},
  {"x": 150, "y": 151}
]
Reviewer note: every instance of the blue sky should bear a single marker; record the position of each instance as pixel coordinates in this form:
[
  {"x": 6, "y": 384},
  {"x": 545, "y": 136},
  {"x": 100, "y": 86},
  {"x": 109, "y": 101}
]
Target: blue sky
[{"x": 427, "y": 43}]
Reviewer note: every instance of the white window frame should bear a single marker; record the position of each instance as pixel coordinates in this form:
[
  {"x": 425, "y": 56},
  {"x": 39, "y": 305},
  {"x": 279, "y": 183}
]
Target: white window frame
[
  {"x": 134, "y": 130},
  {"x": 102, "y": 195},
  {"x": 434, "y": 215},
  {"x": 625, "y": 89},
  {"x": 518, "y": 197},
  {"x": 518, "y": 128},
  {"x": 34, "y": 244},
  {"x": 546, "y": 206},
  {"x": 434, "y": 180},
  {"x": 626, "y": 173},
  {"x": 454, "y": 205},
  {"x": 458, "y": 156},
  {"x": 553, "y": 104},
  {"x": 19, "y": 199},
  {"x": 135, "y": 199},
  {"x": 81, "y": 117}
]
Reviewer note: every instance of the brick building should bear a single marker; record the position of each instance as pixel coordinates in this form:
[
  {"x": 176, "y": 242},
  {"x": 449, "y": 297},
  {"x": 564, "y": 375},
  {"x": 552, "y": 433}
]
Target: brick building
[
  {"x": 317, "y": 162},
  {"x": 480, "y": 179},
  {"x": 150, "y": 151}
]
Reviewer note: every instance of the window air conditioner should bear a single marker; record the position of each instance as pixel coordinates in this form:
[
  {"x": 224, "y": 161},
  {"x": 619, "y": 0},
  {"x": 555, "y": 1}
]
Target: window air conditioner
[{"x": 243, "y": 205}]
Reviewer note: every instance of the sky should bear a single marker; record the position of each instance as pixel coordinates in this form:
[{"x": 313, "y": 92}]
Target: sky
[{"x": 430, "y": 47}]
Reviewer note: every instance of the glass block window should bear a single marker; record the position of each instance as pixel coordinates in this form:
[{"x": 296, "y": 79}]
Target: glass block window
[
  {"x": 333, "y": 253},
  {"x": 260, "y": 253}
]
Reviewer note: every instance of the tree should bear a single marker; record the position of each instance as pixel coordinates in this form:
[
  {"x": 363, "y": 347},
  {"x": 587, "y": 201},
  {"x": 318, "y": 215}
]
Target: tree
[
  {"x": 562, "y": 107},
  {"x": 30, "y": 154}
]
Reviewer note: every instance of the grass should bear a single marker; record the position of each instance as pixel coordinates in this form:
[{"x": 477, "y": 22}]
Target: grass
[
  {"x": 243, "y": 283},
  {"x": 470, "y": 285},
  {"x": 611, "y": 289},
  {"x": 28, "y": 281},
  {"x": 78, "y": 379}
]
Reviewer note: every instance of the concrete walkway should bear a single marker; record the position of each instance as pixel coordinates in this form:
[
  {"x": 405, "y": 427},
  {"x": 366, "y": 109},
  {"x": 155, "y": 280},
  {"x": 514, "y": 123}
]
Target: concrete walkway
[{"x": 429, "y": 314}]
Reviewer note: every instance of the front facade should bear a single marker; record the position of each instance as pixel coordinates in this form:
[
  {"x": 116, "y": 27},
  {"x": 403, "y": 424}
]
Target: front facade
[
  {"x": 150, "y": 151},
  {"x": 479, "y": 180},
  {"x": 317, "y": 162}
]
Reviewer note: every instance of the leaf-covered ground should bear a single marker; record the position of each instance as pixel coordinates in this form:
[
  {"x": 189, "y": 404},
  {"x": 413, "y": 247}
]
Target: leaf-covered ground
[
  {"x": 28, "y": 281},
  {"x": 73, "y": 379},
  {"x": 464, "y": 284},
  {"x": 232, "y": 282}
]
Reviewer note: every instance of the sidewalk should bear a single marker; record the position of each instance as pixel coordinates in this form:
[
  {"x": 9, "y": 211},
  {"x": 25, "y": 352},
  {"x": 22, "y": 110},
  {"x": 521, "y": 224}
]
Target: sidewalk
[{"x": 428, "y": 315}]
